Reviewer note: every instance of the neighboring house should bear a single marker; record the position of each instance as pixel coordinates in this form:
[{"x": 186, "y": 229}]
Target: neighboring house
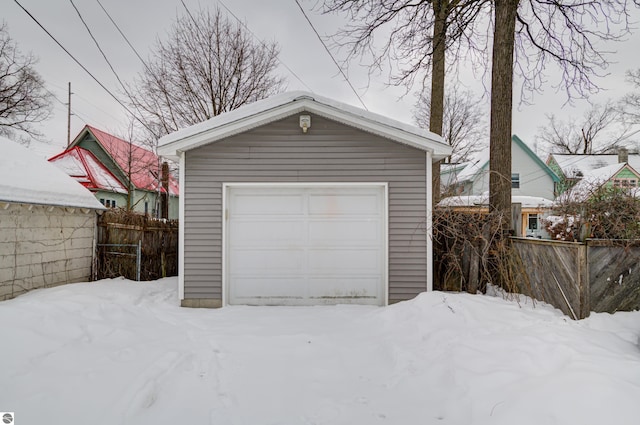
[
  {"x": 83, "y": 166},
  {"x": 448, "y": 178},
  {"x": 533, "y": 211},
  {"x": 619, "y": 175},
  {"x": 300, "y": 200},
  {"x": 47, "y": 224},
  {"x": 136, "y": 169},
  {"x": 530, "y": 175},
  {"x": 571, "y": 168}
]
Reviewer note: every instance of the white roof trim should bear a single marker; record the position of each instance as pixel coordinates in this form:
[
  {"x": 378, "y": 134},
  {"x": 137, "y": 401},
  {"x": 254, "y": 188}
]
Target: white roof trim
[{"x": 286, "y": 104}]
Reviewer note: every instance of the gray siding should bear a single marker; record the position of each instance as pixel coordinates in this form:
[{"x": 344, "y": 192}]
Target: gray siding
[{"x": 280, "y": 152}]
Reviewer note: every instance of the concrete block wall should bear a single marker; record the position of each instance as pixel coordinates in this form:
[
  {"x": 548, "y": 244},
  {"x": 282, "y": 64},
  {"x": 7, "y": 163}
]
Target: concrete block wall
[{"x": 43, "y": 246}]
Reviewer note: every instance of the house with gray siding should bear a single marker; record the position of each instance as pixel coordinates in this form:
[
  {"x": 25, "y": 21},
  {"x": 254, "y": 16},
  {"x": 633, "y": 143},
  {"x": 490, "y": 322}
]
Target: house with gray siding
[{"x": 301, "y": 200}]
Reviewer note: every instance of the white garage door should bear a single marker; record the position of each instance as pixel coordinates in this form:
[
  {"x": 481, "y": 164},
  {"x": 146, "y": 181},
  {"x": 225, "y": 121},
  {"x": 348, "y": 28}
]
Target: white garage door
[{"x": 306, "y": 245}]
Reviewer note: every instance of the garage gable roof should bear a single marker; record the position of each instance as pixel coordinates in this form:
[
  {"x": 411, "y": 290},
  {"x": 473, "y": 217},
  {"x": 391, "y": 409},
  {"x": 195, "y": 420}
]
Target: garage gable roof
[{"x": 286, "y": 104}]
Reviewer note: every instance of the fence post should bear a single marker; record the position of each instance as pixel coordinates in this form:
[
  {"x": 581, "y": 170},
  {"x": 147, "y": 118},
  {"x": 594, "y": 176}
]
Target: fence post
[
  {"x": 585, "y": 283},
  {"x": 138, "y": 260}
]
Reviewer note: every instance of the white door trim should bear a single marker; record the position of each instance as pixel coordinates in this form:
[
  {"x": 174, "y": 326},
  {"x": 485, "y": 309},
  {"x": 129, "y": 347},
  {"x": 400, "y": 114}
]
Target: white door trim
[
  {"x": 181, "y": 225},
  {"x": 226, "y": 187}
]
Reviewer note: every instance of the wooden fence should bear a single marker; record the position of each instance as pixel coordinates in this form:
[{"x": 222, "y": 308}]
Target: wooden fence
[
  {"x": 119, "y": 235},
  {"x": 578, "y": 278}
]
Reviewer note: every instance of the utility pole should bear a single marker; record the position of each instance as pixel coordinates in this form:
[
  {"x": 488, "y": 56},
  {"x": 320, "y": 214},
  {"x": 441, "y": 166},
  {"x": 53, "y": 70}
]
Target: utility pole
[{"x": 69, "y": 117}]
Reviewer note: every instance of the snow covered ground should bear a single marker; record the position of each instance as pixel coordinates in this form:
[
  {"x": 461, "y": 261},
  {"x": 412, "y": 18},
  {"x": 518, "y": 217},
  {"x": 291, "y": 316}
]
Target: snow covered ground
[{"x": 120, "y": 352}]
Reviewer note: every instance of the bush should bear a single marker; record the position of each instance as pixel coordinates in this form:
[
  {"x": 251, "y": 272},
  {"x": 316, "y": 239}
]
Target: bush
[
  {"x": 606, "y": 213},
  {"x": 471, "y": 250}
]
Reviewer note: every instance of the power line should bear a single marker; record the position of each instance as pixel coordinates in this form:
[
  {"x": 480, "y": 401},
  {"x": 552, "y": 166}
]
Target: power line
[
  {"x": 99, "y": 48},
  {"x": 331, "y": 55},
  {"x": 124, "y": 87},
  {"x": 195, "y": 23},
  {"x": 263, "y": 44},
  {"x": 88, "y": 101},
  {"x": 123, "y": 36},
  {"x": 82, "y": 66},
  {"x": 74, "y": 111}
]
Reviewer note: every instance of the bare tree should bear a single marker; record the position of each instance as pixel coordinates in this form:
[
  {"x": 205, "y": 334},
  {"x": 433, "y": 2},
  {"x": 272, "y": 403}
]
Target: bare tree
[
  {"x": 418, "y": 34},
  {"x": 537, "y": 33},
  {"x": 600, "y": 130},
  {"x": 464, "y": 122},
  {"x": 23, "y": 99},
  {"x": 415, "y": 33},
  {"x": 528, "y": 36},
  {"x": 630, "y": 103},
  {"x": 207, "y": 66}
]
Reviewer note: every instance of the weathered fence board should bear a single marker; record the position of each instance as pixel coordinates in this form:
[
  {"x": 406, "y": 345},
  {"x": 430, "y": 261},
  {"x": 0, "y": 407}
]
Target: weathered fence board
[
  {"x": 556, "y": 274},
  {"x": 614, "y": 275}
]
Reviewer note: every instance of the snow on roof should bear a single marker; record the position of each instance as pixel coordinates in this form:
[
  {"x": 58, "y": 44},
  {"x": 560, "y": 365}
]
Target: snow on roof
[
  {"x": 576, "y": 166},
  {"x": 483, "y": 200},
  {"x": 591, "y": 181},
  {"x": 25, "y": 178},
  {"x": 145, "y": 165},
  {"x": 83, "y": 166},
  {"x": 285, "y": 104},
  {"x": 449, "y": 173},
  {"x": 473, "y": 167},
  {"x": 446, "y": 168}
]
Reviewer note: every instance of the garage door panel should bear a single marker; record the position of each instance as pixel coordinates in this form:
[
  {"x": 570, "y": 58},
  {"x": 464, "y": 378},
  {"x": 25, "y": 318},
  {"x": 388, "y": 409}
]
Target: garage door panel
[
  {"x": 346, "y": 261},
  {"x": 346, "y": 204},
  {"x": 267, "y": 204},
  {"x": 342, "y": 289},
  {"x": 267, "y": 260},
  {"x": 260, "y": 287},
  {"x": 340, "y": 232},
  {"x": 272, "y": 232}
]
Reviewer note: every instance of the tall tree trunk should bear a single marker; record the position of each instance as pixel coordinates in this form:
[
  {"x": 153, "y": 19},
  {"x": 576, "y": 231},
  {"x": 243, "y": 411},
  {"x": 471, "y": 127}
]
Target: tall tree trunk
[
  {"x": 437, "y": 84},
  {"x": 501, "y": 110}
]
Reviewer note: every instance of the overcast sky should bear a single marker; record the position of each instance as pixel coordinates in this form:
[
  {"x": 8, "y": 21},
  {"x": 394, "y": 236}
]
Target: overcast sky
[{"x": 142, "y": 21}]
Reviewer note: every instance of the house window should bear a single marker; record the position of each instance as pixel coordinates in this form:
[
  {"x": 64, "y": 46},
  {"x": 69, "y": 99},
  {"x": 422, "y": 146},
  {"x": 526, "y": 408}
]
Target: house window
[
  {"x": 102, "y": 201},
  {"x": 515, "y": 180},
  {"x": 533, "y": 222},
  {"x": 625, "y": 183},
  {"x": 113, "y": 203},
  {"x": 146, "y": 207},
  {"x": 108, "y": 204}
]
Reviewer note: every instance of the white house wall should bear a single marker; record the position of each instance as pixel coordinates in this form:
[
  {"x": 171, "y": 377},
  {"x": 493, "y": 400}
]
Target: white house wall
[
  {"x": 42, "y": 246},
  {"x": 534, "y": 180}
]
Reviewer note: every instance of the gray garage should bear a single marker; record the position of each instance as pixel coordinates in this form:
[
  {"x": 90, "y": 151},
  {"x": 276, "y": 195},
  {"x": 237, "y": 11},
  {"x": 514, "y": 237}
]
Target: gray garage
[{"x": 301, "y": 200}]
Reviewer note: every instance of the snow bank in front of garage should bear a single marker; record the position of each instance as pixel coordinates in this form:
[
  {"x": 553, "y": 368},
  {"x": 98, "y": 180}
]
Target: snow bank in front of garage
[
  {"x": 124, "y": 352},
  {"x": 26, "y": 178}
]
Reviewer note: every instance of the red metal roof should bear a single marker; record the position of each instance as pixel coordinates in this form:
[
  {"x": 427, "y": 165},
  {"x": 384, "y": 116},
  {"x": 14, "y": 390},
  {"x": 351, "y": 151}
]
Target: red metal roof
[
  {"x": 83, "y": 166},
  {"x": 141, "y": 164}
]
